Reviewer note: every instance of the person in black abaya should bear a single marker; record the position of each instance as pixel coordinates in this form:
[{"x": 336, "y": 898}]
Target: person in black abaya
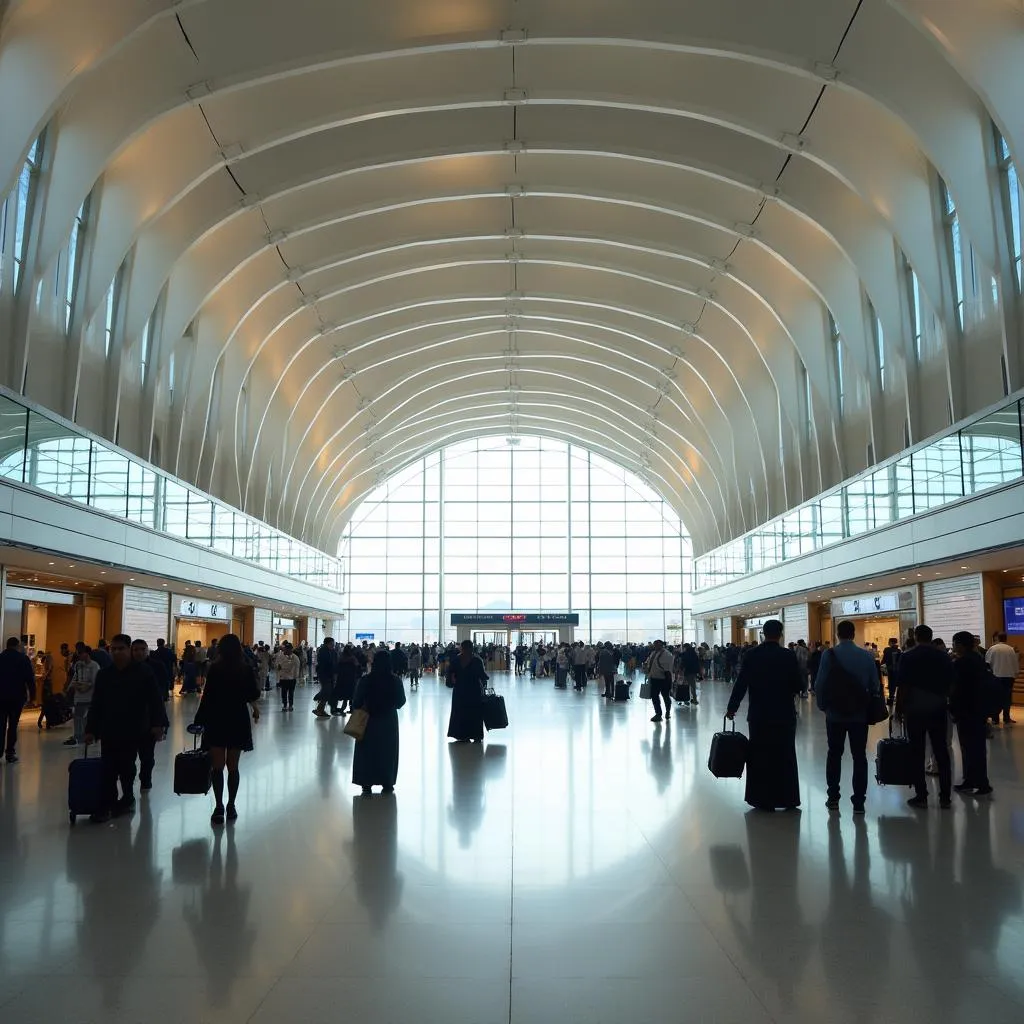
[
  {"x": 770, "y": 676},
  {"x": 466, "y": 677},
  {"x": 380, "y": 693}
]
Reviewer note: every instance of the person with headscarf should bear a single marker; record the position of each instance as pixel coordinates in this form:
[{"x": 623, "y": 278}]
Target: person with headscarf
[
  {"x": 466, "y": 678},
  {"x": 380, "y": 694}
]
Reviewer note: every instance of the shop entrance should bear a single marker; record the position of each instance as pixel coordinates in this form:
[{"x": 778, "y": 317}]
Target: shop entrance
[
  {"x": 543, "y": 638},
  {"x": 197, "y": 631},
  {"x": 499, "y": 641}
]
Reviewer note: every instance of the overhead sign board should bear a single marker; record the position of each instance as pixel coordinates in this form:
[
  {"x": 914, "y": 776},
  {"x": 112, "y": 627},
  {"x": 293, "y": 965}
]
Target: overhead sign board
[
  {"x": 364, "y": 636},
  {"x": 192, "y": 608},
  {"x": 871, "y": 603},
  {"x": 515, "y": 619}
]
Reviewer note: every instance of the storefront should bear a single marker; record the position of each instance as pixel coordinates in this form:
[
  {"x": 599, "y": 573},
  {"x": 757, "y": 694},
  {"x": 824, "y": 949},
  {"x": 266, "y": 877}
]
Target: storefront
[
  {"x": 199, "y": 621},
  {"x": 876, "y": 617},
  {"x": 751, "y": 628},
  {"x": 47, "y": 618},
  {"x": 285, "y": 630}
]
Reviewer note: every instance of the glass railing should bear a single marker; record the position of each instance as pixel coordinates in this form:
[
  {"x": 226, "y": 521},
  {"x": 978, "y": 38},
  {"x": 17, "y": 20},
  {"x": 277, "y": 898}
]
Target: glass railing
[
  {"x": 44, "y": 452},
  {"x": 984, "y": 453}
]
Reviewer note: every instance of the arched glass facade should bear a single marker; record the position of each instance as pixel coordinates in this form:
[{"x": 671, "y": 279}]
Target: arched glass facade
[{"x": 542, "y": 525}]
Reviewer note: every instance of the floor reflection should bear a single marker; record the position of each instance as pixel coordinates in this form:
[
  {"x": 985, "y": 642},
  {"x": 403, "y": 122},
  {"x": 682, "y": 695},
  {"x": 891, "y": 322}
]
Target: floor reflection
[
  {"x": 114, "y": 870},
  {"x": 218, "y": 919},
  {"x": 582, "y": 862},
  {"x": 374, "y": 846}
]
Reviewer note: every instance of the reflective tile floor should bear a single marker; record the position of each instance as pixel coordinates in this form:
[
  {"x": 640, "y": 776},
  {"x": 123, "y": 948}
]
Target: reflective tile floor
[{"x": 582, "y": 865}]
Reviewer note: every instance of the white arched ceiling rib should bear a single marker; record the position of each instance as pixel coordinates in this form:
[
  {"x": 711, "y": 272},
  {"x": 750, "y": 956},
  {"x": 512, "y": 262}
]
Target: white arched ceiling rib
[
  {"x": 334, "y": 521},
  {"x": 589, "y": 428},
  {"x": 432, "y": 335},
  {"x": 381, "y": 412},
  {"x": 828, "y": 23},
  {"x": 438, "y": 378}
]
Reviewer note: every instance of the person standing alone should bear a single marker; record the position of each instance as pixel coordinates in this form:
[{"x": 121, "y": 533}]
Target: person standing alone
[
  {"x": 1005, "y": 664},
  {"x": 659, "y": 672},
  {"x": 967, "y": 706},
  {"x": 17, "y": 678},
  {"x": 288, "y": 666},
  {"x": 771, "y": 676},
  {"x": 923, "y": 683},
  {"x": 846, "y": 680}
]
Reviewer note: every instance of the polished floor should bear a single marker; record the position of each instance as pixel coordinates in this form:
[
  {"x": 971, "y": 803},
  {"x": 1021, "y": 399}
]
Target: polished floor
[{"x": 582, "y": 865}]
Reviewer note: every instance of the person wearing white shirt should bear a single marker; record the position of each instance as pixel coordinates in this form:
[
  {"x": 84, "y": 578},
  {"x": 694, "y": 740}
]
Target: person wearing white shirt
[
  {"x": 288, "y": 666},
  {"x": 1005, "y": 664},
  {"x": 83, "y": 681}
]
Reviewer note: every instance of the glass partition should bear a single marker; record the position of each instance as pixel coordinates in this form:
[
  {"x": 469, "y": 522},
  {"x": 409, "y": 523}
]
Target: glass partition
[
  {"x": 987, "y": 452},
  {"x": 43, "y": 452}
]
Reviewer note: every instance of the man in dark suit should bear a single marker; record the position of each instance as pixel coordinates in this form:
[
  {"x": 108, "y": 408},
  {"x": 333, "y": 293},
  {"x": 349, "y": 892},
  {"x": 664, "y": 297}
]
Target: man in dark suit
[
  {"x": 770, "y": 675},
  {"x": 924, "y": 679}
]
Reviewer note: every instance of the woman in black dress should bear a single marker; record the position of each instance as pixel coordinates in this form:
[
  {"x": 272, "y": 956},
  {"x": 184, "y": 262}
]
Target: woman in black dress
[
  {"x": 380, "y": 694},
  {"x": 345, "y": 681},
  {"x": 770, "y": 675},
  {"x": 231, "y": 684},
  {"x": 466, "y": 677}
]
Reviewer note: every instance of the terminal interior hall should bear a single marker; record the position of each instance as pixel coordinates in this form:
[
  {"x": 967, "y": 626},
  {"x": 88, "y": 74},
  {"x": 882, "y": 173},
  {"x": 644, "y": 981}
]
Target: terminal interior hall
[{"x": 526, "y": 354}]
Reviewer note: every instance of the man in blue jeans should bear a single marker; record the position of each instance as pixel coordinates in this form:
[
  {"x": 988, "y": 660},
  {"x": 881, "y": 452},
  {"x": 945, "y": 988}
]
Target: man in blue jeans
[{"x": 847, "y": 677}]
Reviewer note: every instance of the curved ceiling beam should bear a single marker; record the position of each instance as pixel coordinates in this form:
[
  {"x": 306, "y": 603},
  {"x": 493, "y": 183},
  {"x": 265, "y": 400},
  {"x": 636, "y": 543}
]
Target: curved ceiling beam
[{"x": 330, "y": 537}]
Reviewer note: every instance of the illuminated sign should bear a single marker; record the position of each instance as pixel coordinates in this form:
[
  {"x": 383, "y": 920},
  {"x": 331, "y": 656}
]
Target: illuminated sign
[
  {"x": 190, "y": 608},
  {"x": 515, "y": 619}
]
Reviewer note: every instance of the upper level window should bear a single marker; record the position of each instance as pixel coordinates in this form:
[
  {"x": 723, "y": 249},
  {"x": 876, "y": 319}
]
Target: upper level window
[
  {"x": 808, "y": 403},
  {"x": 74, "y": 263},
  {"x": 837, "y": 355},
  {"x": 879, "y": 336},
  {"x": 110, "y": 310},
  {"x": 916, "y": 309},
  {"x": 1014, "y": 199},
  {"x": 24, "y": 194},
  {"x": 147, "y": 342},
  {"x": 956, "y": 255}
]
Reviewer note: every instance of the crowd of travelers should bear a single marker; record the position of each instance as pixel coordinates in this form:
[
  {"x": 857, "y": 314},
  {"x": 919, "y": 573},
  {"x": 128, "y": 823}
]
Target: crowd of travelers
[
  {"x": 116, "y": 694},
  {"x": 932, "y": 690}
]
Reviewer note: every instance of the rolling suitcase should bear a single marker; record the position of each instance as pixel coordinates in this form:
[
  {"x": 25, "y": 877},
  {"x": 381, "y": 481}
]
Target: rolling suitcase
[
  {"x": 728, "y": 756},
  {"x": 894, "y": 761},
  {"x": 85, "y": 786},
  {"x": 495, "y": 716},
  {"x": 56, "y": 710},
  {"x": 681, "y": 693},
  {"x": 621, "y": 689},
  {"x": 192, "y": 768}
]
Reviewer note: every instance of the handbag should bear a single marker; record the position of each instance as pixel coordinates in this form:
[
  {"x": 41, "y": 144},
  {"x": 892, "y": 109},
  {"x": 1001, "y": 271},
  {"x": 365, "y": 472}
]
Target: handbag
[
  {"x": 645, "y": 690},
  {"x": 356, "y": 724},
  {"x": 878, "y": 710}
]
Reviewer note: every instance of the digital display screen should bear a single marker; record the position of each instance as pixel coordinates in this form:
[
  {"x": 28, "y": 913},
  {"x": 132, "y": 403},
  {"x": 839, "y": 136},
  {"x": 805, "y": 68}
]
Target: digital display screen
[{"x": 1013, "y": 612}]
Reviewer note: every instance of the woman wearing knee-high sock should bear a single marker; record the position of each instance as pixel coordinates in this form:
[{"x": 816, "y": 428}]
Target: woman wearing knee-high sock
[{"x": 231, "y": 691}]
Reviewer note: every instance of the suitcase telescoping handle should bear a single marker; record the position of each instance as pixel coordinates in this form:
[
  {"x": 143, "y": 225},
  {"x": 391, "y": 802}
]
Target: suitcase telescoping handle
[
  {"x": 196, "y": 731},
  {"x": 726, "y": 722}
]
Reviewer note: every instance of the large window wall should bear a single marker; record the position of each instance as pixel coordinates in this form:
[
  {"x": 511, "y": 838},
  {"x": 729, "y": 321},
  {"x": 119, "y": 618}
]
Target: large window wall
[
  {"x": 986, "y": 452},
  {"x": 541, "y": 525},
  {"x": 43, "y": 452}
]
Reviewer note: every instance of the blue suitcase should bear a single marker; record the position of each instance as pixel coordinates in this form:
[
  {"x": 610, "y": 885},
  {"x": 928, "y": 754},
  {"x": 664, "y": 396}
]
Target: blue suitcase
[{"x": 85, "y": 786}]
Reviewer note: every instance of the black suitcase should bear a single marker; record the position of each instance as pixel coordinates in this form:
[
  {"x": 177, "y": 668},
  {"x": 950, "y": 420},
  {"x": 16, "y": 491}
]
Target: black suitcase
[
  {"x": 894, "y": 761},
  {"x": 621, "y": 689},
  {"x": 56, "y": 710},
  {"x": 495, "y": 716},
  {"x": 85, "y": 786},
  {"x": 728, "y": 755},
  {"x": 681, "y": 693},
  {"x": 192, "y": 769}
]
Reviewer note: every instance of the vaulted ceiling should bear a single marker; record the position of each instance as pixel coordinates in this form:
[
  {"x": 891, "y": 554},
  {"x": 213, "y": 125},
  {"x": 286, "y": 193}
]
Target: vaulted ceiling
[{"x": 367, "y": 230}]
